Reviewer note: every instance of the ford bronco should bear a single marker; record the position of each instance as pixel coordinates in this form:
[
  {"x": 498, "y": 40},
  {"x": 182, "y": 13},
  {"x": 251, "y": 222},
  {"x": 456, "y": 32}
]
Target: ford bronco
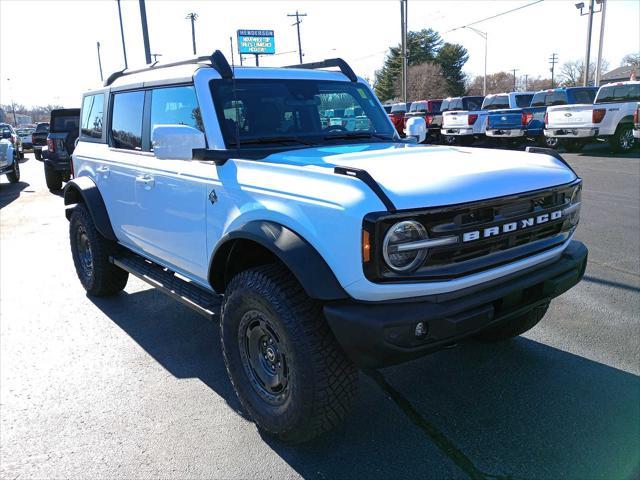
[{"x": 319, "y": 250}]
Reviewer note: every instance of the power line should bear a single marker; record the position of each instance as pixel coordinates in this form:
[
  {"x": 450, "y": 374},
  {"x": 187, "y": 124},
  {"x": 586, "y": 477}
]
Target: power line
[{"x": 495, "y": 16}]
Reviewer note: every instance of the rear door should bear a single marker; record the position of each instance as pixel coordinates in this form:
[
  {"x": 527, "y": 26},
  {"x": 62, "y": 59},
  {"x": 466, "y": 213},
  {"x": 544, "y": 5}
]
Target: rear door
[{"x": 171, "y": 195}]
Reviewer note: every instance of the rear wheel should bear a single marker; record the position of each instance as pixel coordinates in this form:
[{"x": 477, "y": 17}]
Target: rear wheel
[
  {"x": 14, "y": 175},
  {"x": 91, "y": 252},
  {"x": 284, "y": 363},
  {"x": 623, "y": 140},
  {"x": 548, "y": 142},
  {"x": 514, "y": 327},
  {"x": 38, "y": 154},
  {"x": 450, "y": 139},
  {"x": 52, "y": 178}
]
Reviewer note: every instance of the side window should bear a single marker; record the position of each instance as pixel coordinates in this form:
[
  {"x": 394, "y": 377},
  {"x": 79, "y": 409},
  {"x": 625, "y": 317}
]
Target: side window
[
  {"x": 126, "y": 120},
  {"x": 92, "y": 116},
  {"x": 175, "y": 106},
  {"x": 523, "y": 100}
]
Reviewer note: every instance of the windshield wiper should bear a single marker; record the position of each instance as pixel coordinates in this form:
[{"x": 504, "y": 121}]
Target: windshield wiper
[
  {"x": 283, "y": 140},
  {"x": 357, "y": 135}
]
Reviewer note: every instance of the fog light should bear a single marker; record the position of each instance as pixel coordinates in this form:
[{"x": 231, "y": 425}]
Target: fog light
[{"x": 421, "y": 329}]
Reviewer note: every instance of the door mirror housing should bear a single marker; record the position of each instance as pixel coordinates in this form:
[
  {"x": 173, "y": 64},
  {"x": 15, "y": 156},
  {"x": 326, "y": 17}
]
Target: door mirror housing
[
  {"x": 176, "y": 142},
  {"x": 416, "y": 127}
]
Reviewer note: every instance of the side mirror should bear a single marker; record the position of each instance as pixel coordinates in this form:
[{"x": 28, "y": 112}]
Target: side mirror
[
  {"x": 176, "y": 142},
  {"x": 416, "y": 127}
]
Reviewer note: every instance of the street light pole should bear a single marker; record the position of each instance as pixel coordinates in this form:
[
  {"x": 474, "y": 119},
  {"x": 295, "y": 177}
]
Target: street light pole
[
  {"x": 483, "y": 35},
  {"x": 13, "y": 105},
  {"x": 587, "y": 56},
  {"x": 99, "y": 61},
  {"x": 124, "y": 48},
  {"x": 599, "y": 63},
  {"x": 145, "y": 32}
]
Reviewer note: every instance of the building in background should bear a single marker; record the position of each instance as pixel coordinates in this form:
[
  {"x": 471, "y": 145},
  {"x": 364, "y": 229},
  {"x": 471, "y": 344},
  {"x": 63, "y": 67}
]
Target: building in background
[{"x": 620, "y": 74}]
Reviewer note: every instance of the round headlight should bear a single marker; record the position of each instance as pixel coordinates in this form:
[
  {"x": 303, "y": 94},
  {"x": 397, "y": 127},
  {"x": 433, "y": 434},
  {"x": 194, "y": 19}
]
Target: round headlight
[{"x": 403, "y": 232}]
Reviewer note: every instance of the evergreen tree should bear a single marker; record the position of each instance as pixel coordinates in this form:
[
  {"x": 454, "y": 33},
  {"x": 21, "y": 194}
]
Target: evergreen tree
[{"x": 452, "y": 58}]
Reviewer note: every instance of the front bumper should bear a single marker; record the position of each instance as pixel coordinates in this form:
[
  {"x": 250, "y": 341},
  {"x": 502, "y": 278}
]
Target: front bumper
[
  {"x": 379, "y": 334},
  {"x": 504, "y": 132},
  {"x": 458, "y": 131},
  {"x": 571, "y": 132}
]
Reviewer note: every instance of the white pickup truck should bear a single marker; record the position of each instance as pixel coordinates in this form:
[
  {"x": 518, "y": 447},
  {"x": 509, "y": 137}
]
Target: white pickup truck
[
  {"x": 609, "y": 118},
  {"x": 470, "y": 122}
]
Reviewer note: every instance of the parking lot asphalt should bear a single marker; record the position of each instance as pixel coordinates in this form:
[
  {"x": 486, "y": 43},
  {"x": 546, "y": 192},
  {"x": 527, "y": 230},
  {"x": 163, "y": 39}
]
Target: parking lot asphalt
[{"x": 134, "y": 386}]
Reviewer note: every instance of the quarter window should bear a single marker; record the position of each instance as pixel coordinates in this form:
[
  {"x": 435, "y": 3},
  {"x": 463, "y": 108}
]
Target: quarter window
[
  {"x": 92, "y": 116},
  {"x": 175, "y": 106},
  {"x": 126, "y": 123}
]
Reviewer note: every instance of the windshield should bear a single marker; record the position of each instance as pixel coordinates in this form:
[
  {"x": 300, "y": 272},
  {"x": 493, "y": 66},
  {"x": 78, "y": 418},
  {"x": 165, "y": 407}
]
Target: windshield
[
  {"x": 297, "y": 111},
  {"x": 619, "y": 93}
]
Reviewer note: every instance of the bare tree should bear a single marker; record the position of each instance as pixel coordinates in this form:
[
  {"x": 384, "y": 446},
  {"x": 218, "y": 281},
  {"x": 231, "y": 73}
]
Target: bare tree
[
  {"x": 424, "y": 81},
  {"x": 572, "y": 72},
  {"x": 632, "y": 60},
  {"x": 496, "y": 83}
]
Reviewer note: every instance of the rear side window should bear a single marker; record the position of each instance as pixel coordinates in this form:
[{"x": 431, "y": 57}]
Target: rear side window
[
  {"x": 126, "y": 120},
  {"x": 419, "y": 107},
  {"x": 523, "y": 100},
  {"x": 495, "y": 102},
  {"x": 64, "y": 123},
  {"x": 92, "y": 116},
  {"x": 556, "y": 98},
  {"x": 435, "y": 106},
  {"x": 538, "y": 99},
  {"x": 473, "y": 103},
  {"x": 584, "y": 96},
  {"x": 619, "y": 93},
  {"x": 175, "y": 106}
]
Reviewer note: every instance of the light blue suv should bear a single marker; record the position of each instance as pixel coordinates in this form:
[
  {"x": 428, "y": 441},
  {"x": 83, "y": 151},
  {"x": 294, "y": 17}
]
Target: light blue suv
[{"x": 318, "y": 248}]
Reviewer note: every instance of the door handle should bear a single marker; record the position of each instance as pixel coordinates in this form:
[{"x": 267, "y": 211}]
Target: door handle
[
  {"x": 103, "y": 171},
  {"x": 146, "y": 180}
]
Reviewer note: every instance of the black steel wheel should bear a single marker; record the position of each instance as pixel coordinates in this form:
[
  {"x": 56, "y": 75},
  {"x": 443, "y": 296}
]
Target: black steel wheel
[{"x": 285, "y": 365}]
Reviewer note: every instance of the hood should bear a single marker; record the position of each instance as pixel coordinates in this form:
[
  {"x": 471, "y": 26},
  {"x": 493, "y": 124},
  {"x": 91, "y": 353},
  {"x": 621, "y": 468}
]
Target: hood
[{"x": 415, "y": 176}]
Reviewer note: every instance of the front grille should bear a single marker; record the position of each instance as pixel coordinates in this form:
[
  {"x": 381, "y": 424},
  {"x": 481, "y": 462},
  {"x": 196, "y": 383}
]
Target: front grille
[{"x": 466, "y": 257}]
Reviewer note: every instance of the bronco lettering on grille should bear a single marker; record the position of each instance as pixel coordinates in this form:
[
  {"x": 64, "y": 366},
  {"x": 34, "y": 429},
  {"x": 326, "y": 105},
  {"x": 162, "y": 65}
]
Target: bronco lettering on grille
[{"x": 511, "y": 226}]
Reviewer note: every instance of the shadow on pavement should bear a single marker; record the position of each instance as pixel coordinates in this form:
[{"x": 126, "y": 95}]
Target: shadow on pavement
[
  {"x": 519, "y": 409},
  {"x": 10, "y": 192}
]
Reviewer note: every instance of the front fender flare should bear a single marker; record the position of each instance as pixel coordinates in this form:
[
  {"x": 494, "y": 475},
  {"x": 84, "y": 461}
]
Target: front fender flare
[
  {"x": 84, "y": 190},
  {"x": 300, "y": 257}
]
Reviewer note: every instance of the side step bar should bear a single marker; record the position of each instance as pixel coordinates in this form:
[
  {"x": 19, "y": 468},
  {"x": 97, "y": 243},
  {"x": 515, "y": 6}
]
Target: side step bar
[{"x": 204, "y": 302}]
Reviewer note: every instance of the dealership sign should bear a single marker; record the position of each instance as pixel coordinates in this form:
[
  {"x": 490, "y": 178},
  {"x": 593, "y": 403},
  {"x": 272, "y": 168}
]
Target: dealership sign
[{"x": 258, "y": 42}]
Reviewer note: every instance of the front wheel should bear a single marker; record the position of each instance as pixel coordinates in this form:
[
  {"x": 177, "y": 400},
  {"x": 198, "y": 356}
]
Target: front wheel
[
  {"x": 14, "y": 175},
  {"x": 91, "y": 252},
  {"x": 513, "y": 327},
  {"x": 284, "y": 363},
  {"x": 623, "y": 140}
]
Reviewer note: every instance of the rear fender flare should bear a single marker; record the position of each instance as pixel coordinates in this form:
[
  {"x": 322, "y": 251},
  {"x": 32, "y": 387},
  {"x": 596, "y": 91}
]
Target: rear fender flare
[{"x": 84, "y": 190}]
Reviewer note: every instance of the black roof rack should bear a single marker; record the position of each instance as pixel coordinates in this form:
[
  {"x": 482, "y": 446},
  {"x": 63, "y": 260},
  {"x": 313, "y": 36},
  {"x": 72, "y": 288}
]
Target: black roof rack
[
  {"x": 330, "y": 62},
  {"x": 216, "y": 59}
]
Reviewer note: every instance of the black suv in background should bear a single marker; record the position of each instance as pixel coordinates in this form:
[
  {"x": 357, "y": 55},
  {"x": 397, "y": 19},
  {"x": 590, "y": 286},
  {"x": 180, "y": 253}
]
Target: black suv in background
[{"x": 64, "y": 127}]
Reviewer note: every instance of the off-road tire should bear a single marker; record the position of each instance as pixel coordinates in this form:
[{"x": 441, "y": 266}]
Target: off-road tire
[
  {"x": 623, "y": 140},
  {"x": 37, "y": 154},
  {"x": 52, "y": 178},
  {"x": 450, "y": 140},
  {"x": 104, "y": 278},
  {"x": 14, "y": 176},
  {"x": 513, "y": 327},
  {"x": 321, "y": 381}
]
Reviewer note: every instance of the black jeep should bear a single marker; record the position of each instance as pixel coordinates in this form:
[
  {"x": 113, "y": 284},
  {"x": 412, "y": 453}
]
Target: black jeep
[{"x": 64, "y": 127}]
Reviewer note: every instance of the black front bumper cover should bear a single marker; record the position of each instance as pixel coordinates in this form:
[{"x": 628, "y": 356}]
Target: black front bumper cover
[{"x": 382, "y": 333}]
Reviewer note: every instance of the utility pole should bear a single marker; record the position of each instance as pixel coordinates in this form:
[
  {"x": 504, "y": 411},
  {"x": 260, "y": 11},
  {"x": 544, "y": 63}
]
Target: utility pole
[
  {"x": 193, "y": 17},
  {"x": 124, "y": 48},
  {"x": 99, "y": 62},
  {"x": 145, "y": 32},
  {"x": 155, "y": 56},
  {"x": 514, "y": 70},
  {"x": 297, "y": 24},
  {"x": 599, "y": 62},
  {"x": 526, "y": 82},
  {"x": 403, "y": 32},
  {"x": 13, "y": 105},
  {"x": 553, "y": 59}
]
